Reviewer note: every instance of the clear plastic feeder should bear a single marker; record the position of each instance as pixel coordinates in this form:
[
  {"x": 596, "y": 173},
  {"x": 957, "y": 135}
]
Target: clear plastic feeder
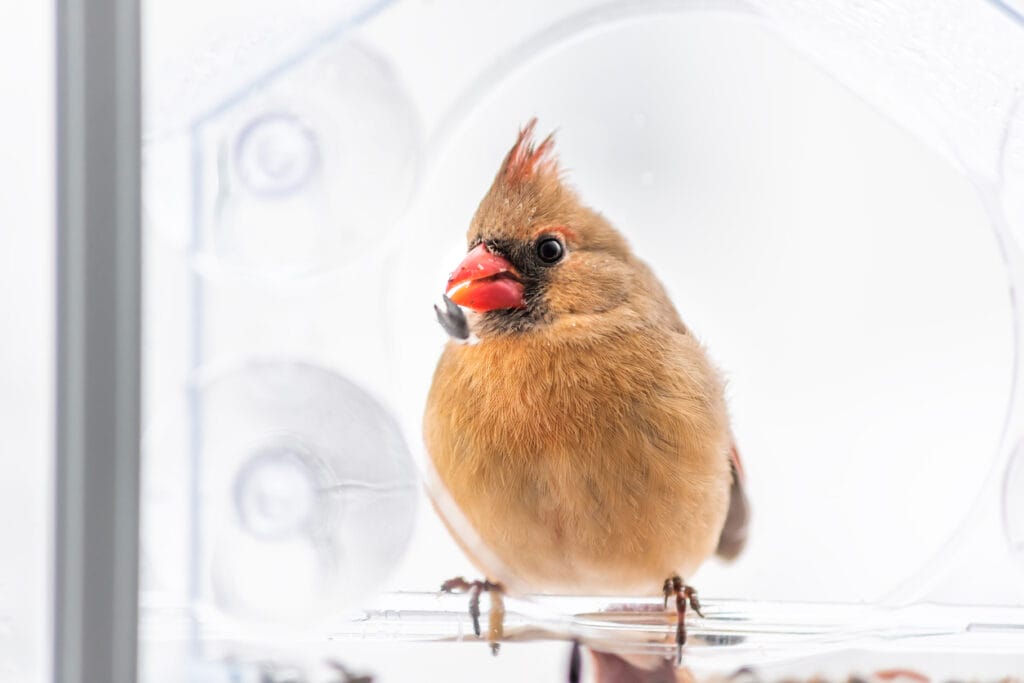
[{"x": 830, "y": 191}]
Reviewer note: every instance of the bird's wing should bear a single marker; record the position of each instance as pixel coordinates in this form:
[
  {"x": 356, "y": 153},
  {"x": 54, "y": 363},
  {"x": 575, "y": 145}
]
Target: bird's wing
[{"x": 734, "y": 533}]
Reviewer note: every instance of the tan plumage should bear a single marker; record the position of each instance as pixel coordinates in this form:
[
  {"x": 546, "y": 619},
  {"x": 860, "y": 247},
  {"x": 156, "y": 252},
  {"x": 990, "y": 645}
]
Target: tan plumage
[{"x": 585, "y": 436}]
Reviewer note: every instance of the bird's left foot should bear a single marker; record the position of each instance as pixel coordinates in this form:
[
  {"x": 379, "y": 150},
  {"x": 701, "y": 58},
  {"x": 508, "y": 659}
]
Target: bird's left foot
[
  {"x": 684, "y": 595},
  {"x": 496, "y": 623}
]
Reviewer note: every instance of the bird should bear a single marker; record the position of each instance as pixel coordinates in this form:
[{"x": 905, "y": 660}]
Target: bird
[{"x": 576, "y": 422}]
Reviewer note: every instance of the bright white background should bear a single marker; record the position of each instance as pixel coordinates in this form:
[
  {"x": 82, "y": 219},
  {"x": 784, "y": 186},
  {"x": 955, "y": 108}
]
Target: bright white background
[
  {"x": 841, "y": 273},
  {"x": 26, "y": 331}
]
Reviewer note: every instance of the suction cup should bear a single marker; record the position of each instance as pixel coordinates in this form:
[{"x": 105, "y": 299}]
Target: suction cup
[
  {"x": 309, "y": 171},
  {"x": 282, "y": 489}
]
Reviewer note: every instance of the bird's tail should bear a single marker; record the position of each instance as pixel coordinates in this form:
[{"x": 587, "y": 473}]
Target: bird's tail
[{"x": 734, "y": 534}]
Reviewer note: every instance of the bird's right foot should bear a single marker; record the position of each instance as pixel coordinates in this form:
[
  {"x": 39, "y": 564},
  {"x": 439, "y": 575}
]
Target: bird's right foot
[
  {"x": 684, "y": 595},
  {"x": 475, "y": 588}
]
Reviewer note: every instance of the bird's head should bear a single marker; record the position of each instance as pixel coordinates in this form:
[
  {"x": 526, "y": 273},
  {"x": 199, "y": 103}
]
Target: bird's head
[{"x": 535, "y": 253}]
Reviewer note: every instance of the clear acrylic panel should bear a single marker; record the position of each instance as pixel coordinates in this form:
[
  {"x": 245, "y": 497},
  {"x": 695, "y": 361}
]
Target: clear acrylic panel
[{"x": 829, "y": 191}]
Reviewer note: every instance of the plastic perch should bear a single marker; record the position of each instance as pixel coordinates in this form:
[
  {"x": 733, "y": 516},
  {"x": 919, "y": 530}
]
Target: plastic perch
[{"x": 730, "y": 630}]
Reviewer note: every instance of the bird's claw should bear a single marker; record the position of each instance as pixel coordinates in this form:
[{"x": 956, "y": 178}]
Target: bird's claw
[
  {"x": 497, "y": 614},
  {"x": 453, "y": 320},
  {"x": 685, "y": 595}
]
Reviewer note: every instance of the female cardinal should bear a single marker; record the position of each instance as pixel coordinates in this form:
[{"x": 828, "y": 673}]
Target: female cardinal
[{"x": 583, "y": 434}]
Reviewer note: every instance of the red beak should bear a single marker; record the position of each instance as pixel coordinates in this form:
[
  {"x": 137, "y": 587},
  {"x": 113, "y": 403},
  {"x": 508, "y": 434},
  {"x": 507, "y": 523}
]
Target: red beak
[{"x": 485, "y": 282}]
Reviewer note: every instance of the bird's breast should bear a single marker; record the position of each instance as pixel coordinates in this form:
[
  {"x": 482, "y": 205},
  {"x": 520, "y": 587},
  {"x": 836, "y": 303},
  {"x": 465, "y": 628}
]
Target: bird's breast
[{"x": 584, "y": 468}]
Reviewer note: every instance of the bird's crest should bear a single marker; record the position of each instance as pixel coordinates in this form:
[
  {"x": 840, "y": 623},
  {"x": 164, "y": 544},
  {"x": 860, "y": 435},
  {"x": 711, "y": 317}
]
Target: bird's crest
[{"x": 526, "y": 159}]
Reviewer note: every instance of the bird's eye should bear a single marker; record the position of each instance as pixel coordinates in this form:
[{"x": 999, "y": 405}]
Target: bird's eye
[{"x": 550, "y": 250}]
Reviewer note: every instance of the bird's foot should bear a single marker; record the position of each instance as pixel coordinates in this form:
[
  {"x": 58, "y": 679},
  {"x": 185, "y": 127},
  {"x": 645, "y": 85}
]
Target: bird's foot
[
  {"x": 684, "y": 595},
  {"x": 496, "y": 622},
  {"x": 453, "y": 320}
]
